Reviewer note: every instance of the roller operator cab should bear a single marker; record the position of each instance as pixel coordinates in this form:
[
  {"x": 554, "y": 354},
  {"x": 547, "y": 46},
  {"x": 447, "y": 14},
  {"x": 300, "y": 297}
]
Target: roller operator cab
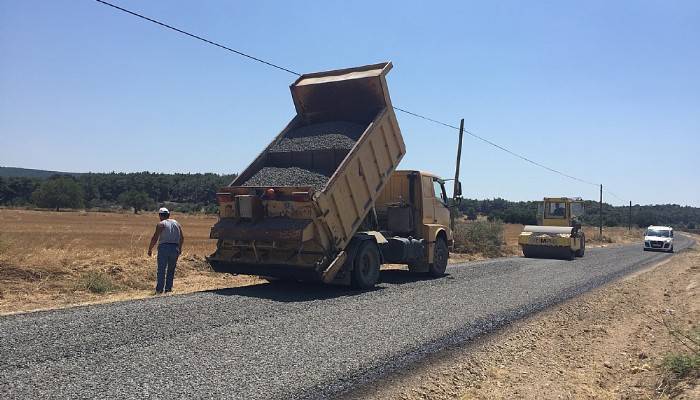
[
  {"x": 558, "y": 233},
  {"x": 658, "y": 238}
]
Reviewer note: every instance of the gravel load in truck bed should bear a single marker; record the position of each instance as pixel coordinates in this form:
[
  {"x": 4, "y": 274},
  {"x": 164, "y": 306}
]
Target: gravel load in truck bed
[
  {"x": 322, "y": 136},
  {"x": 290, "y": 176}
]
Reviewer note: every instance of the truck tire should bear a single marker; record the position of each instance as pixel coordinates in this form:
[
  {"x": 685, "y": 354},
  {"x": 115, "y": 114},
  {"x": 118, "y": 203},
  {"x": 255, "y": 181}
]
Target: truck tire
[
  {"x": 440, "y": 256},
  {"x": 365, "y": 272},
  {"x": 580, "y": 252}
]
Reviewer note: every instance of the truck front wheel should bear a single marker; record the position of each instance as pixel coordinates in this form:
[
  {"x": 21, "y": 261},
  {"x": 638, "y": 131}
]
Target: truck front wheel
[
  {"x": 365, "y": 272},
  {"x": 440, "y": 256}
]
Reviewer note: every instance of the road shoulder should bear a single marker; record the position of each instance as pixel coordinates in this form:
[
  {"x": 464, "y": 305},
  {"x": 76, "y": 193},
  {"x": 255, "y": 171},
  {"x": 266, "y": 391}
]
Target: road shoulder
[{"x": 607, "y": 343}]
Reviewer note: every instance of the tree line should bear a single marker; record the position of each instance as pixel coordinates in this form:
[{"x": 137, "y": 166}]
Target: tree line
[
  {"x": 140, "y": 191},
  {"x": 197, "y": 192},
  {"x": 525, "y": 212}
]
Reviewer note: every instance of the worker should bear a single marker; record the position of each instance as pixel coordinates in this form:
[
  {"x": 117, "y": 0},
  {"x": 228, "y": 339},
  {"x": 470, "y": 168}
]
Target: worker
[
  {"x": 169, "y": 237},
  {"x": 558, "y": 210}
]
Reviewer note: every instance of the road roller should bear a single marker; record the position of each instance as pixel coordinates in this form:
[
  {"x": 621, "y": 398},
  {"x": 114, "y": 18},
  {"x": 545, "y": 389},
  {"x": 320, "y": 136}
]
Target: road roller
[{"x": 558, "y": 233}]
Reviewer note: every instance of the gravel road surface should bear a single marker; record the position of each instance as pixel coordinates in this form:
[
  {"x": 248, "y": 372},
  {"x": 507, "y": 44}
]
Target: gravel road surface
[{"x": 278, "y": 340}]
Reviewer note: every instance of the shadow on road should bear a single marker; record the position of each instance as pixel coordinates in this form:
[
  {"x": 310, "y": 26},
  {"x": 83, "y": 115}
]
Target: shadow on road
[
  {"x": 400, "y": 277},
  {"x": 291, "y": 292}
]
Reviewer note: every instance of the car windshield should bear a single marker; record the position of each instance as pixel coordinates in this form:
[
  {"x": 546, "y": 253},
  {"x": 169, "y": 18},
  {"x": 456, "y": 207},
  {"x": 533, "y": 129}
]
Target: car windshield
[{"x": 658, "y": 232}]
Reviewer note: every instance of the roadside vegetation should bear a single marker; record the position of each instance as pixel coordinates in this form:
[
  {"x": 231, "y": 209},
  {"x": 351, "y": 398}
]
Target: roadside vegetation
[
  {"x": 681, "y": 366},
  {"x": 480, "y": 237}
]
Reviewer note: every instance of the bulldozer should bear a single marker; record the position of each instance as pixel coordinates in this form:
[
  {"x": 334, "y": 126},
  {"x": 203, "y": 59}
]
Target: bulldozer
[{"x": 558, "y": 233}]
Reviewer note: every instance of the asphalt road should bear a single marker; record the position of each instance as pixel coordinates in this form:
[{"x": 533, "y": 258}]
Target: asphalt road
[{"x": 284, "y": 340}]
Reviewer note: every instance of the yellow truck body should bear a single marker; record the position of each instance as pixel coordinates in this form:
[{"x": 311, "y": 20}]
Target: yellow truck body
[{"x": 314, "y": 232}]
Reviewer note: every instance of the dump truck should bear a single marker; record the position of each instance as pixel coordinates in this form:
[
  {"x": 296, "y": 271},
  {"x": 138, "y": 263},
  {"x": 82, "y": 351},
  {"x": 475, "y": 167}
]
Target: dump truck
[
  {"x": 558, "y": 233},
  {"x": 324, "y": 201}
]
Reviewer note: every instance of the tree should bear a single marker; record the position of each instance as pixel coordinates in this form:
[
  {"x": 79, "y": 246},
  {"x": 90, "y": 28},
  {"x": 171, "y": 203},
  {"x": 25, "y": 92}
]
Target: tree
[
  {"x": 59, "y": 192},
  {"x": 136, "y": 200},
  {"x": 645, "y": 218}
]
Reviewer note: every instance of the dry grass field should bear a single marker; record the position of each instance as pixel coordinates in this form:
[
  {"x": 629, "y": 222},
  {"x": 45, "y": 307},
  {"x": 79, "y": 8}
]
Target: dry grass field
[{"x": 50, "y": 259}]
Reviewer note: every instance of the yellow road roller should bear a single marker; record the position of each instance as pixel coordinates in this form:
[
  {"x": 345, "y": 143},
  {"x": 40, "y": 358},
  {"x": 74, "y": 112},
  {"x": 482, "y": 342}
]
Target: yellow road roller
[{"x": 558, "y": 233}]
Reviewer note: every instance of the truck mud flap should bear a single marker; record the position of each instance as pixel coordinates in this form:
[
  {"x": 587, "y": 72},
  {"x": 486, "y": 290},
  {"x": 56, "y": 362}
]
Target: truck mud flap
[{"x": 272, "y": 270}]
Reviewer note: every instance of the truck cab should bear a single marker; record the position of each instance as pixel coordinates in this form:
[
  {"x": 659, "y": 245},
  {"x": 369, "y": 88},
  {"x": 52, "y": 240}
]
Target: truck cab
[{"x": 413, "y": 213}]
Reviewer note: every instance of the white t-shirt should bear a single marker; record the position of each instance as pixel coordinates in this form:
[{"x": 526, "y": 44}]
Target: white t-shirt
[{"x": 170, "y": 232}]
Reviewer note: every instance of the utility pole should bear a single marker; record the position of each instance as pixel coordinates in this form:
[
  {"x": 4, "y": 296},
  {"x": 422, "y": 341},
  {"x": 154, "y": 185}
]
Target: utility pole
[
  {"x": 600, "y": 230},
  {"x": 457, "y": 188},
  {"x": 629, "y": 227}
]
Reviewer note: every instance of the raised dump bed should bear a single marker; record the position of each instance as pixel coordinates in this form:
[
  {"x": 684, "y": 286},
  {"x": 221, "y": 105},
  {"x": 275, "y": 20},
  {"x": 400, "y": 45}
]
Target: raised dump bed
[{"x": 297, "y": 207}]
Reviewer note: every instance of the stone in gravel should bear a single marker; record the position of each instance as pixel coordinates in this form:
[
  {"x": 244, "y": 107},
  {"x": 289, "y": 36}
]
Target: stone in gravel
[
  {"x": 290, "y": 176},
  {"x": 322, "y": 136}
]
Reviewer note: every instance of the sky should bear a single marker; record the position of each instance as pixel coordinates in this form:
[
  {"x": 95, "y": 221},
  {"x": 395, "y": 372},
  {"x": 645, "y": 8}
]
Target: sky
[{"x": 605, "y": 91}]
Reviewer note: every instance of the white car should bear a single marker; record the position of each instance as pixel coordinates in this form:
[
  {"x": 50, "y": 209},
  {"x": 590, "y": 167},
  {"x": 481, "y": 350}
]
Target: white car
[{"x": 659, "y": 238}]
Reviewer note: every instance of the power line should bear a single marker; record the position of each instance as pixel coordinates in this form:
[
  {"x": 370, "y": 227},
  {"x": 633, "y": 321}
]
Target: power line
[
  {"x": 613, "y": 195},
  {"x": 167, "y": 26},
  {"x": 240, "y": 53},
  {"x": 498, "y": 146}
]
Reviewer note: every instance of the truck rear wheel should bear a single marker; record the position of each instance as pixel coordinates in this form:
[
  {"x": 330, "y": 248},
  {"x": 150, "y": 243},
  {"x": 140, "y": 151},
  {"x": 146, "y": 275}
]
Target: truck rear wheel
[
  {"x": 440, "y": 256},
  {"x": 365, "y": 272}
]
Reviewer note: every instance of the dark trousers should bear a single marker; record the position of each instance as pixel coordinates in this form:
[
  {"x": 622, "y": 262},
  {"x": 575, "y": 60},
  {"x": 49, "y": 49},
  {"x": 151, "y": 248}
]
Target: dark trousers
[{"x": 167, "y": 259}]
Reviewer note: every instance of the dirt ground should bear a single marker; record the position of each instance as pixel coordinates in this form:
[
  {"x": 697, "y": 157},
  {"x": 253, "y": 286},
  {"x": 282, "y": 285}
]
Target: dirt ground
[
  {"x": 607, "y": 344},
  {"x": 57, "y": 259}
]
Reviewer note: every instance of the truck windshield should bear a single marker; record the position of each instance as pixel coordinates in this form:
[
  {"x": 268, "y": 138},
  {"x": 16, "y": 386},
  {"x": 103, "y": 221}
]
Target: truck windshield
[{"x": 658, "y": 233}]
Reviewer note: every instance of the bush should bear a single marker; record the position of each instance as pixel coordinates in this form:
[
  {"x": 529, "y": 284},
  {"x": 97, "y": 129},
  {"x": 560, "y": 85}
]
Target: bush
[
  {"x": 97, "y": 282},
  {"x": 479, "y": 237},
  {"x": 682, "y": 365},
  {"x": 211, "y": 209}
]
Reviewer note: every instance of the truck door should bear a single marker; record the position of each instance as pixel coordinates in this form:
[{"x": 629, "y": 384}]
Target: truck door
[
  {"x": 428, "y": 200},
  {"x": 441, "y": 211}
]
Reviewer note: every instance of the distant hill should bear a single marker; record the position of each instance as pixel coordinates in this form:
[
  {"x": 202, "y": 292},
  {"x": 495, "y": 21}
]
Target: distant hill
[{"x": 12, "y": 172}]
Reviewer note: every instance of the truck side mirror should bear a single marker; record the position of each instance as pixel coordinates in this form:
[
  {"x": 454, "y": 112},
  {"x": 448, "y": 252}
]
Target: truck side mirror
[{"x": 457, "y": 192}]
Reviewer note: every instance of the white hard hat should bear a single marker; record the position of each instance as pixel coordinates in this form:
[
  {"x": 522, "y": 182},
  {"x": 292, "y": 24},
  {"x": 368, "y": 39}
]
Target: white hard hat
[{"x": 163, "y": 210}]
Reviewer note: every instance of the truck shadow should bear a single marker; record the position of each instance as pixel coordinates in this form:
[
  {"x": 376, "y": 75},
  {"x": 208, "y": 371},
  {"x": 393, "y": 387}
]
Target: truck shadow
[
  {"x": 400, "y": 277},
  {"x": 292, "y": 292}
]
